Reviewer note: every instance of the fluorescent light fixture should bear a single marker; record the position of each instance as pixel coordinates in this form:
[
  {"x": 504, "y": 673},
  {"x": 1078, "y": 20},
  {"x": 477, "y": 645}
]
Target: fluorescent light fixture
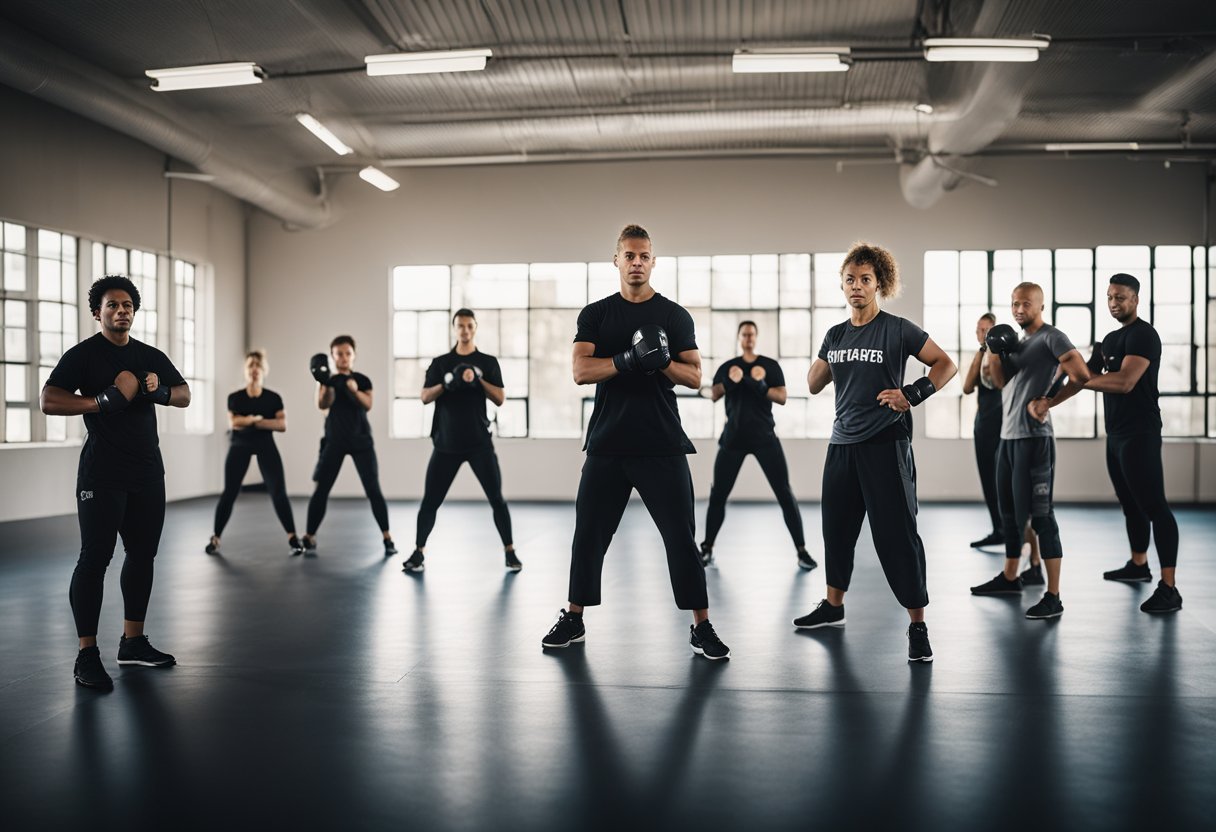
[
  {"x": 379, "y": 178},
  {"x": 812, "y": 59},
  {"x": 203, "y": 77},
  {"x": 1064, "y": 147},
  {"x": 189, "y": 175},
  {"x": 323, "y": 133},
  {"x": 421, "y": 63},
  {"x": 984, "y": 49}
]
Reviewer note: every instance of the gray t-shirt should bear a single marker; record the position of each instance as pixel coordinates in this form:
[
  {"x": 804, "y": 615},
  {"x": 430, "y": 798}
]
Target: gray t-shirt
[
  {"x": 866, "y": 360},
  {"x": 1038, "y": 357}
]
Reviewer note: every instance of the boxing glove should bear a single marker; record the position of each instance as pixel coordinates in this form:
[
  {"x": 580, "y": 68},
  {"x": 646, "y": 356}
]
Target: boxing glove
[
  {"x": 649, "y": 353},
  {"x": 110, "y": 400},
  {"x": 160, "y": 395},
  {"x": 319, "y": 367},
  {"x": 1003, "y": 342}
]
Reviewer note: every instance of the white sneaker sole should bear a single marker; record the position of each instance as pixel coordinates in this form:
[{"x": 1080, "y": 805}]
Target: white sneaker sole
[
  {"x": 839, "y": 623},
  {"x": 922, "y": 659},
  {"x": 146, "y": 664},
  {"x": 544, "y": 646},
  {"x": 1030, "y": 617},
  {"x": 413, "y": 568},
  {"x": 701, "y": 652}
]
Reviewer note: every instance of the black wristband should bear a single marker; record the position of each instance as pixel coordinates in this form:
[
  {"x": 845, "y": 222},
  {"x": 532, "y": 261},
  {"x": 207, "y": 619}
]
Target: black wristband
[
  {"x": 918, "y": 391},
  {"x": 161, "y": 395},
  {"x": 624, "y": 361}
]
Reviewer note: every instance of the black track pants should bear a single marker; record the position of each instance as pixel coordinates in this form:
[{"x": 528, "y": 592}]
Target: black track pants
[
  {"x": 1025, "y": 477},
  {"x": 987, "y": 438},
  {"x": 665, "y": 486},
  {"x": 328, "y": 466},
  {"x": 271, "y": 466},
  {"x": 879, "y": 480},
  {"x": 104, "y": 514},
  {"x": 1134, "y": 463},
  {"x": 772, "y": 463},
  {"x": 441, "y": 471}
]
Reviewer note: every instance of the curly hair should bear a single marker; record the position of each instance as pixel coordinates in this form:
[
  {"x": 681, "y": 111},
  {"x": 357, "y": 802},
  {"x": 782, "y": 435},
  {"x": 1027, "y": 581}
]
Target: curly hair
[
  {"x": 111, "y": 281},
  {"x": 886, "y": 270},
  {"x": 631, "y": 232}
]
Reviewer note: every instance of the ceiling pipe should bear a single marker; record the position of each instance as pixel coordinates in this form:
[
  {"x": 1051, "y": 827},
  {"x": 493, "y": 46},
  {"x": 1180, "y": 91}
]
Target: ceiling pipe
[{"x": 33, "y": 66}]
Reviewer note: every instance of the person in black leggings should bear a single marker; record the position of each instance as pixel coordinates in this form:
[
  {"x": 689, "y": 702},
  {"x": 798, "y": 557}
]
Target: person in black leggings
[
  {"x": 752, "y": 384},
  {"x": 120, "y": 483},
  {"x": 986, "y": 429},
  {"x": 459, "y": 383},
  {"x": 253, "y": 413},
  {"x": 347, "y": 395}
]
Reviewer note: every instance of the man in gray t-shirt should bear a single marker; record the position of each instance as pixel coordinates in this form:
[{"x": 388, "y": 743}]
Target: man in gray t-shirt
[{"x": 1025, "y": 468}]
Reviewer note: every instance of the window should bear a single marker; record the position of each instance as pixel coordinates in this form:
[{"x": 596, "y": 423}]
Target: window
[
  {"x": 16, "y": 349},
  {"x": 192, "y": 356},
  {"x": 962, "y": 285},
  {"x": 527, "y": 313},
  {"x": 141, "y": 268}
]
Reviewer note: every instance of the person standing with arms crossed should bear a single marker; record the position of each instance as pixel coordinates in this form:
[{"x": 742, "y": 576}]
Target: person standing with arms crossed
[
  {"x": 635, "y": 346},
  {"x": 120, "y": 483}
]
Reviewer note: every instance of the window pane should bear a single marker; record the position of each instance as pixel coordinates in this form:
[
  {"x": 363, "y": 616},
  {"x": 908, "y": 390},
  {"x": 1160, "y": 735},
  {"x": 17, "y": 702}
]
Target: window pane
[
  {"x": 490, "y": 286},
  {"x": 434, "y": 334},
  {"x": 559, "y": 285},
  {"x": 421, "y": 287},
  {"x": 1173, "y": 323},
  {"x": 820, "y": 413},
  {"x": 1074, "y": 276},
  {"x": 821, "y": 321},
  {"x": 941, "y": 417},
  {"x": 14, "y": 313},
  {"x": 15, "y": 379},
  {"x": 941, "y": 278},
  {"x": 796, "y": 280},
  {"x": 512, "y": 418},
  {"x": 555, "y": 401},
  {"x": 50, "y": 284},
  {"x": 14, "y": 272},
  {"x": 1175, "y": 374},
  {"x": 603, "y": 280},
  {"x": 15, "y": 345},
  {"x": 1075, "y": 420},
  {"x": 408, "y": 376},
  {"x": 116, "y": 260},
  {"x": 795, "y": 371},
  {"x": 791, "y": 419},
  {"x": 1182, "y": 415},
  {"x": 795, "y": 327},
  {"x": 50, "y": 244},
  {"x": 405, "y": 334},
  {"x": 663, "y": 277},
  {"x": 827, "y": 279},
  {"x": 696, "y": 416},
  {"x": 694, "y": 280},
  {"x": 513, "y": 332},
  {"x": 514, "y": 376},
  {"x": 17, "y": 424},
  {"x": 1076, "y": 321},
  {"x": 764, "y": 281},
  {"x": 56, "y": 428},
  {"x": 941, "y": 322},
  {"x": 14, "y": 237}
]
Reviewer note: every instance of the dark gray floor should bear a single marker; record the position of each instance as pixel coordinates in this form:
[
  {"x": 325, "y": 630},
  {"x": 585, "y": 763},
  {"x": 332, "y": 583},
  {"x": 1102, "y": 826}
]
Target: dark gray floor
[{"x": 337, "y": 692}]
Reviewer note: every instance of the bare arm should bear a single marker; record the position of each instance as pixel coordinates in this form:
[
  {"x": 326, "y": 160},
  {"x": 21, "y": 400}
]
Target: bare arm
[
  {"x": 279, "y": 422},
  {"x": 1073, "y": 365},
  {"x": 179, "y": 395},
  {"x": 819, "y": 376},
  {"x": 717, "y": 391},
  {"x": 941, "y": 366},
  {"x": 997, "y": 371},
  {"x": 973, "y": 373},
  {"x": 325, "y": 396},
  {"x": 55, "y": 401},
  {"x": 685, "y": 369},
  {"x": 1123, "y": 379},
  {"x": 587, "y": 368},
  {"x": 777, "y": 395},
  {"x": 429, "y": 394},
  {"x": 495, "y": 394}
]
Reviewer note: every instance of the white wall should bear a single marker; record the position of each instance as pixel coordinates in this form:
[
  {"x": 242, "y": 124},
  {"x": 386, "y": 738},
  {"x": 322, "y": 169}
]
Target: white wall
[
  {"x": 62, "y": 172},
  {"x": 306, "y": 287}
]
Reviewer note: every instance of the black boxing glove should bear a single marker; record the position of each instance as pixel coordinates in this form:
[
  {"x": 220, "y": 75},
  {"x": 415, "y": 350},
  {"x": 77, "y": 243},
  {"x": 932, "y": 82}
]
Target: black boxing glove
[
  {"x": 111, "y": 400},
  {"x": 649, "y": 353},
  {"x": 319, "y": 367},
  {"x": 1003, "y": 342},
  {"x": 160, "y": 395}
]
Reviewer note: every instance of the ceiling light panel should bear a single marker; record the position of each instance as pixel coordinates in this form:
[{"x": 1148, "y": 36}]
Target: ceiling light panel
[
  {"x": 422, "y": 63},
  {"x": 205, "y": 76}
]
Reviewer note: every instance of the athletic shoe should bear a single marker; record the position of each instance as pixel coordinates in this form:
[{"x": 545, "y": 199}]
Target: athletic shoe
[
  {"x": 1048, "y": 607},
  {"x": 389, "y": 548},
  {"x": 138, "y": 650},
  {"x": 310, "y": 545},
  {"x": 296, "y": 545},
  {"x": 1130, "y": 573},
  {"x": 994, "y": 539},
  {"x": 513, "y": 563},
  {"x": 1000, "y": 585},
  {"x": 1033, "y": 575},
  {"x": 414, "y": 564},
  {"x": 824, "y": 615},
  {"x": 90, "y": 672},
  {"x": 568, "y": 629},
  {"x": 918, "y": 643},
  {"x": 1165, "y": 598},
  {"x": 805, "y": 560},
  {"x": 213, "y": 548},
  {"x": 707, "y": 554},
  {"x": 705, "y": 642}
]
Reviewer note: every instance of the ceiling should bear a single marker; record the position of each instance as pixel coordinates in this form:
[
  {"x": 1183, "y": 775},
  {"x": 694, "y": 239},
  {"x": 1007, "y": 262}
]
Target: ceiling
[{"x": 590, "y": 79}]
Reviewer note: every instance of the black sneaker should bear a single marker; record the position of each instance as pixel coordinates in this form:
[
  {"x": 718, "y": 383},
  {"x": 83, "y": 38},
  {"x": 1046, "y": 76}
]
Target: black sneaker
[
  {"x": 513, "y": 563},
  {"x": 705, "y": 642},
  {"x": 213, "y": 548},
  {"x": 1033, "y": 575},
  {"x": 90, "y": 672},
  {"x": 1165, "y": 598},
  {"x": 824, "y": 615},
  {"x": 707, "y": 554},
  {"x": 918, "y": 643},
  {"x": 1130, "y": 573},
  {"x": 138, "y": 650},
  {"x": 296, "y": 545},
  {"x": 568, "y": 629},
  {"x": 994, "y": 539},
  {"x": 1000, "y": 585},
  {"x": 310, "y": 545},
  {"x": 389, "y": 548},
  {"x": 1048, "y": 607},
  {"x": 805, "y": 560},
  {"x": 414, "y": 563}
]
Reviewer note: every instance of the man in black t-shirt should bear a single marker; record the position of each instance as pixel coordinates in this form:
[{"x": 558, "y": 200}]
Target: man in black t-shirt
[
  {"x": 347, "y": 396},
  {"x": 635, "y": 346},
  {"x": 459, "y": 383},
  {"x": 1124, "y": 367},
  {"x": 751, "y": 384},
  {"x": 120, "y": 483},
  {"x": 869, "y": 468}
]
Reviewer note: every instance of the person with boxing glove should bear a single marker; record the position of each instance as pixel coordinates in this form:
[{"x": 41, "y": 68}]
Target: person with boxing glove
[
  {"x": 346, "y": 395},
  {"x": 870, "y": 469},
  {"x": 120, "y": 482},
  {"x": 752, "y": 384},
  {"x": 460, "y": 382},
  {"x": 1024, "y": 369},
  {"x": 255, "y": 414},
  {"x": 986, "y": 429},
  {"x": 635, "y": 346}
]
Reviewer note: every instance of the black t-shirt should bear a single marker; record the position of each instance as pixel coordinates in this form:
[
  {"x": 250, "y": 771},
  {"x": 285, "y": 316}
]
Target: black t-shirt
[
  {"x": 988, "y": 413},
  {"x": 267, "y": 405},
  {"x": 460, "y": 422},
  {"x": 346, "y": 424},
  {"x": 122, "y": 450},
  {"x": 866, "y": 360},
  {"x": 1136, "y": 411},
  {"x": 749, "y": 412},
  {"x": 635, "y": 414}
]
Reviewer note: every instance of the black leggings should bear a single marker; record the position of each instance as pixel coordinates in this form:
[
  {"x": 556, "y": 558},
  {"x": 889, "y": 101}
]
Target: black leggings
[
  {"x": 1025, "y": 478},
  {"x": 328, "y": 465},
  {"x": 1134, "y": 463},
  {"x": 878, "y": 479},
  {"x": 665, "y": 486},
  {"x": 271, "y": 466},
  {"x": 987, "y": 435},
  {"x": 441, "y": 471},
  {"x": 104, "y": 514},
  {"x": 726, "y": 471}
]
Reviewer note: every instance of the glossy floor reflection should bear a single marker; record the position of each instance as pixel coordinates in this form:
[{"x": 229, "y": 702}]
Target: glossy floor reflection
[{"x": 337, "y": 692}]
